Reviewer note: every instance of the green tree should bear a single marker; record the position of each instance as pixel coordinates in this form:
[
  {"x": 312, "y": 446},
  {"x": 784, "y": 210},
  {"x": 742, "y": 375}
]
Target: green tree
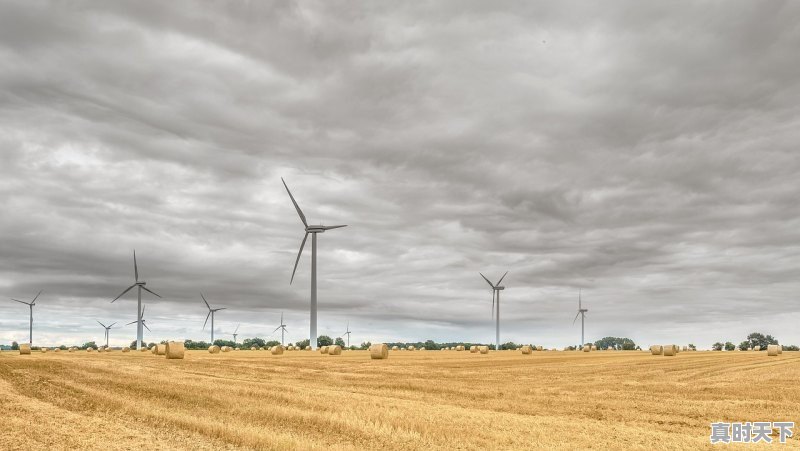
[
  {"x": 431, "y": 345},
  {"x": 272, "y": 343},
  {"x": 758, "y": 339},
  {"x": 692, "y": 347},
  {"x": 324, "y": 340},
  {"x": 248, "y": 343},
  {"x": 220, "y": 342},
  {"x": 791, "y": 348},
  {"x": 717, "y": 346},
  {"x": 509, "y": 346},
  {"x": 303, "y": 343},
  {"x": 729, "y": 346},
  {"x": 340, "y": 342},
  {"x": 744, "y": 345},
  {"x": 14, "y": 346},
  {"x": 365, "y": 345},
  {"x": 89, "y": 344}
]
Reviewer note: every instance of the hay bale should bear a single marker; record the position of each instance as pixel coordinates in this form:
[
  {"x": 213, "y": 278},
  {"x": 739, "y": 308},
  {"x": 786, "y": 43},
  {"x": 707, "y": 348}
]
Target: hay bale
[
  {"x": 610, "y": 348},
  {"x": 42, "y": 349},
  {"x": 174, "y": 350},
  {"x": 160, "y": 349},
  {"x": 656, "y": 349},
  {"x": 378, "y": 351},
  {"x": 276, "y": 350},
  {"x": 70, "y": 349},
  {"x": 757, "y": 348},
  {"x": 484, "y": 349},
  {"x": 24, "y": 349},
  {"x": 290, "y": 348},
  {"x": 780, "y": 349},
  {"x": 154, "y": 349},
  {"x": 460, "y": 348},
  {"x": 226, "y": 349},
  {"x": 411, "y": 348},
  {"x": 57, "y": 350},
  {"x": 772, "y": 350},
  {"x": 254, "y": 348},
  {"x": 526, "y": 349},
  {"x": 143, "y": 349},
  {"x": 126, "y": 349},
  {"x": 473, "y": 349},
  {"x": 334, "y": 350},
  {"x": 423, "y": 349},
  {"x": 323, "y": 350},
  {"x": 108, "y": 349},
  {"x": 308, "y": 348},
  {"x": 213, "y": 349},
  {"x": 594, "y": 348},
  {"x": 395, "y": 348},
  {"x": 90, "y": 349},
  {"x": 670, "y": 350},
  {"x": 685, "y": 348},
  {"x": 587, "y": 348}
]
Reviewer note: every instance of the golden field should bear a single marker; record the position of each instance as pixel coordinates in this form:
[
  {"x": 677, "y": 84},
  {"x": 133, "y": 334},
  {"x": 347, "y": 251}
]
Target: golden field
[{"x": 413, "y": 400}]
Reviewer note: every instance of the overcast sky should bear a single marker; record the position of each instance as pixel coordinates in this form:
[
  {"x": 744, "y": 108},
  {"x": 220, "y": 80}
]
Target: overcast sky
[{"x": 646, "y": 153}]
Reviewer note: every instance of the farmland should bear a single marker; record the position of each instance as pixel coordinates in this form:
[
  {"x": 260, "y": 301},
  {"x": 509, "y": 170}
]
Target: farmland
[{"x": 413, "y": 400}]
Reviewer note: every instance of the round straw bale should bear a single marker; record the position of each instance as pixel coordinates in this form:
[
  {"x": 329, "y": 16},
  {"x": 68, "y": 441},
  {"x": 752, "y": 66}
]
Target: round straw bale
[
  {"x": 42, "y": 349},
  {"x": 460, "y": 348},
  {"x": 126, "y": 349},
  {"x": 772, "y": 349},
  {"x": 780, "y": 349},
  {"x": 526, "y": 349},
  {"x": 656, "y": 349},
  {"x": 254, "y": 348},
  {"x": 57, "y": 350},
  {"x": 323, "y": 349},
  {"x": 290, "y": 348},
  {"x": 213, "y": 349},
  {"x": 276, "y": 350},
  {"x": 70, "y": 349},
  {"x": 411, "y": 348},
  {"x": 670, "y": 350},
  {"x": 395, "y": 348},
  {"x": 308, "y": 348},
  {"x": 174, "y": 349},
  {"x": 89, "y": 349},
  {"x": 24, "y": 349},
  {"x": 423, "y": 349},
  {"x": 473, "y": 349},
  {"x": 378, "y": 351},
  {"x": 334, "y": 350},
  {"x": 154, "y": 349},
  {"x": 594, "y": 348},
  {"x": 144, "y": 349},
  {"x": 587, "y": 348},
  {"x": 484, "y": 349},
  {"x": 161, "y": 349},
  {"x": 756, "y": 348}
]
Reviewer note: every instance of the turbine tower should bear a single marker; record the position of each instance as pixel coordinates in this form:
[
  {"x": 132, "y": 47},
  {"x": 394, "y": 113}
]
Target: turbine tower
[
  {"x": 211, "y": 312},
  {"x": 141, "y": 323},
  {"x": 107, "y": 328},
  {"x": 313, "y": 230},
  {"x": 582, "y": 312},
  {"x": 30, "y": 324},
  {"x": 282, "y": 327},
  {"x": 348, "y": 334},
  {"x": 139, "y": 309},
  {"x": 496, "y": 289}
]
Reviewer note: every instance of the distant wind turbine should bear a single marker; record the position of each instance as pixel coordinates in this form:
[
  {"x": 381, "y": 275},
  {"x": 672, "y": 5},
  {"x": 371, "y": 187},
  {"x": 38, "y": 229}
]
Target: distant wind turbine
[
  {"x": 210, "y": 314},
  {"x": 348, "y": 334},
  {"x": 235, "y": 334},
  {"x": 496, "y": 289},
  {"x": 582, "y": 312},
  {"x": 30, "y": 323},
  {"x": 282, "y": 328},
  {"x": 141, "y": 323},
  {"x": 139, "y": 309},
  {"x": 313, "y": 230},
  {"x": 107, "y": 328}
]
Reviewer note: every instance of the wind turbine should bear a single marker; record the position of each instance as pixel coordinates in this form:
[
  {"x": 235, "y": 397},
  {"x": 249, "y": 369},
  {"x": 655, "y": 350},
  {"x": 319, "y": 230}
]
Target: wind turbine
[
  {"x": 282, "y": 327},
  {"x": 348, "y": 334},
  {"x": 142, "y": 323},
  {"x": 30, "y": 304},
  {"x": 139, "y": 310},
  {"x": 582, "y": 312},
  {"x": 211, "y": 312},
  {"x": 496, "y": 289},
  {"x": 107, "y": 328},
  {"x": 235, "y": 334},
  {"x": 313, "y": 230}
]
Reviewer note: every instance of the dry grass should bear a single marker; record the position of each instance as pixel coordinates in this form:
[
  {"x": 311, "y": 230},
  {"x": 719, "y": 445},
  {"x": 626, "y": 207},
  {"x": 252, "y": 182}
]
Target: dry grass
[{"x": 621, "y": 400}]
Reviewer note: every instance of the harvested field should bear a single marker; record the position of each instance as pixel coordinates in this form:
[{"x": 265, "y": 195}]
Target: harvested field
[{"x": 255, "y": 400}]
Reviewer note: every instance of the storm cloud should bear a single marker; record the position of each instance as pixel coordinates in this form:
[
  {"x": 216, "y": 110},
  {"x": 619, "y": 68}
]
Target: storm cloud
[{"x": 643, "y": 153}]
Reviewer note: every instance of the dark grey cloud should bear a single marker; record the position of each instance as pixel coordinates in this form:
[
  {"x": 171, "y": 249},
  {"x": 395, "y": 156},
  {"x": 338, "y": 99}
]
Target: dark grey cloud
[{"x": 643, "y": 153}]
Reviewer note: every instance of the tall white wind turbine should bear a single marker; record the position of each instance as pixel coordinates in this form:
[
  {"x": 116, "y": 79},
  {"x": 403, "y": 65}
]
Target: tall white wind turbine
[
  {"x": 211, "y": 312},
  {"x": 140, "y": 284},
  {"x": 30, "y": 322},
  {"x": 313, "y": 230},
  {"x": 496, "y": 289},
  {"x": 582, "y": 312}
]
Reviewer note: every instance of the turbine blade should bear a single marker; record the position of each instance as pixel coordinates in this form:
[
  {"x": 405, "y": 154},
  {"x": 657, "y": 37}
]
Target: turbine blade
[
  {"x": 123, "y": 293},
  {"x": 276, "y": 329},
  {"x": 151, "y": 291},
  {"x": 298, "y": 257},
  {"x": 237, "y": 329},
  {"x": 98, "y": 322},
  {"x": 204, "y": 300},
  {"x": 487, "y": 280},
  {"x": 334, "y": 227},
  {"x": 297, "y": 207},
  {"x": 576, "y": 317},
  {"x": 112, "y": 325},
  {"x": 21, "y": 302},
  {"x": 132, "y": 322},
  {"x": 145, "y": 326},
  {"x": 207, "y": 316},
  {"x": 223, "y": 308},
  {"x": 501, "y": 279},
  {"x": 143, "y": 309},
  {"x": 135, "y": 266},
  {"x": 37, "y": 297}
]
